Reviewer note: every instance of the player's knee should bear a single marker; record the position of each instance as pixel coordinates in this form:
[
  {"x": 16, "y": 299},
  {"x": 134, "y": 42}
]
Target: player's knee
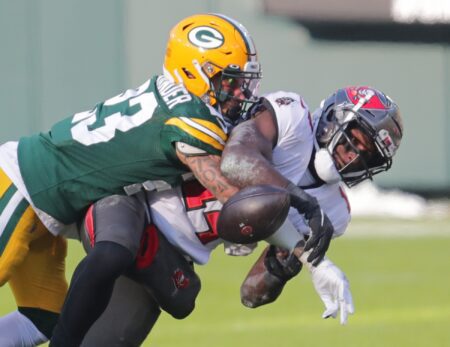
[
  {"x": 182, "y": 302},
  {"x": 168, "y": 275}
]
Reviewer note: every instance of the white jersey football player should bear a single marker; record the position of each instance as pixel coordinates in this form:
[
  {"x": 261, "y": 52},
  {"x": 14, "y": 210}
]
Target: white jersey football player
[
  {"x": 356, "y": 132},
  {"x": 193, "y": 232},
  {"x": 351, "y": 137}
]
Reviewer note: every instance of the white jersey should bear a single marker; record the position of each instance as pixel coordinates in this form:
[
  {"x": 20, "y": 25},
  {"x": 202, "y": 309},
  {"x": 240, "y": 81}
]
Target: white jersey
[
  {"x": 294, "y": 147},
  {"x": 187, "y": 216},
  {"x": 194, "y": 232}
]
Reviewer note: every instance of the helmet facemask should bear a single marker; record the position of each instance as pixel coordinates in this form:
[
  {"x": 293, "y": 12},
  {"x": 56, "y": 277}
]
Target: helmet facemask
[
  {"x": 338, "y": 136},
  {"x": 235, "y": 90},
  {"x": 362, "y": 163},
  {"x": 359, "y": 130}
]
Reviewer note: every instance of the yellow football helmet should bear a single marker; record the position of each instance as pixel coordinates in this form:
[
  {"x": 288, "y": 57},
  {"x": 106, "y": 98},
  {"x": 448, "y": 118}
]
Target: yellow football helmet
[{"x": 202, "y": 46}]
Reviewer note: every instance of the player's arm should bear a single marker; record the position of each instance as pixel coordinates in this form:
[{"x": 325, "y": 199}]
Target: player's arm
[
  {"x": 206, "y": 168},
  {"x": 268, "y": 276},
  {"x": 246, "y": 160}
]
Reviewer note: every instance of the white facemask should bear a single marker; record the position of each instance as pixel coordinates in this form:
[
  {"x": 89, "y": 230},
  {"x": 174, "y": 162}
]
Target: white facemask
[{"x": 325, "y": 168}]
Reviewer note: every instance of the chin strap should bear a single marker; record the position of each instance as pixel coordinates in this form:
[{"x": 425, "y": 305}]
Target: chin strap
[
  {"x": 325, "y": 168},
  {"x": 323, "y": 162}
]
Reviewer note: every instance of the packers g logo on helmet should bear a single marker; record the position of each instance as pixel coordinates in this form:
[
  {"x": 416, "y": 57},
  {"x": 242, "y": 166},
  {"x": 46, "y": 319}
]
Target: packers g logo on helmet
[
  {"x": 204, "y": 50},
  {"x": 206, "y": 37}
]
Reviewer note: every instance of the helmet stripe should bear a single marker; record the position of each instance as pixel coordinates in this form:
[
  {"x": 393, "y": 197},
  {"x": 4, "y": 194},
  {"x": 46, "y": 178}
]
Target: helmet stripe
[{"x": 249, "y": 44}]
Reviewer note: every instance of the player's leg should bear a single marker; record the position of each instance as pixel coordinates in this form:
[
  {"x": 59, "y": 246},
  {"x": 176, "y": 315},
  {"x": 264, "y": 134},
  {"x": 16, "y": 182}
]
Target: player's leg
[
  {"x": 16, "y": 330},
  {"x": 39, "y": 286},
  {"x": 132, "y": 310},
  {"x": 128, "y": 319},
  {"x": 114, "y": 230},
  {"x": 166, "y": 273},
  {"x": 34, "y": 266},
  {"x": 17, "y": 222}
]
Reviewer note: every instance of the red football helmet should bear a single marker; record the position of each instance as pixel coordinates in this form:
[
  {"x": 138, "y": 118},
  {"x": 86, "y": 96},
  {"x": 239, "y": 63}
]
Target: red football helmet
[{"x": 372, "y": 113}]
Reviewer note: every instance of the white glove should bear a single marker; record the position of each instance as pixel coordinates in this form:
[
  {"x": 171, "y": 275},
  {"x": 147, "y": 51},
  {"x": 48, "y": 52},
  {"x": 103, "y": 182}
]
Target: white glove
[
  {"x": 237, "y": 249},
  {"x": 334, "y": 290}
]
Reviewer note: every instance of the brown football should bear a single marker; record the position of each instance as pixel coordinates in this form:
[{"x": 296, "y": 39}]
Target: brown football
[{"x": 253, "y": 214}]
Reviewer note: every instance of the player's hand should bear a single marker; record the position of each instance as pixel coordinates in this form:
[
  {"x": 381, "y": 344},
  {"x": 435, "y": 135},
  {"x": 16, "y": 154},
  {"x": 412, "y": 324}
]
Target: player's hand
[
  {"x": 267, "y": 277},
  {"x": 334, "y": 290},
  {"x": 281, "y": 263},
  {"x": 239, "y": 250},
  {"x": 321, "y": 233},
  {"x": 321, "y": 228}
]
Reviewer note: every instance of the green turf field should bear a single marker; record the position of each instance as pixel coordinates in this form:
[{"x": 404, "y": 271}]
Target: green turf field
[{"x": 401, "y": 289}]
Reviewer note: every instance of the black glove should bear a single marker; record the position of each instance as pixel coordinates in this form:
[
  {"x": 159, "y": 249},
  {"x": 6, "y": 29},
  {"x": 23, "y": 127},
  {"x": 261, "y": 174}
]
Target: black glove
[
  {"x": 321, "y": 228},
  {"x": 282, "y": 264}
]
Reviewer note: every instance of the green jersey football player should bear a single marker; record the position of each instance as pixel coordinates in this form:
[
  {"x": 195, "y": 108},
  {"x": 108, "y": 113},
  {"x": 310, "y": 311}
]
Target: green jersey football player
[{"x": 173, "y": 124}]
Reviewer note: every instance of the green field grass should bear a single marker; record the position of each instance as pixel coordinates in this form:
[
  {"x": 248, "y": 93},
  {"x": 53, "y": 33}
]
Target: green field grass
[{"x": 401, "y": 289}]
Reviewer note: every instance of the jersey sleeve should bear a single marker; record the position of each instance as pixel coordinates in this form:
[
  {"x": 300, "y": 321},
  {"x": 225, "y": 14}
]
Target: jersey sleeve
[
  {"x": 292, "y": 114},
  {"x": 199, "y": 127},
  {"x": 293, "y": 150}
]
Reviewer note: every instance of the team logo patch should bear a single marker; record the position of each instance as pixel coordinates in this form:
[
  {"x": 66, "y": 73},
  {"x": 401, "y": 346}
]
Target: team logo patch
[
  {"x": 206, "y": 37},
  {"x": 179, "y": 279},
  {"x": 284, "y": 101},
  {"x": 370, "y": 99},
  {"x": 246, "y": 230}
]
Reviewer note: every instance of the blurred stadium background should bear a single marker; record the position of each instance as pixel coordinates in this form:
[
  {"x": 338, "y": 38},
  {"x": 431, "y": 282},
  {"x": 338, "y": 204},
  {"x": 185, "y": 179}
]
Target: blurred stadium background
[{"x": 61, "y": 57}]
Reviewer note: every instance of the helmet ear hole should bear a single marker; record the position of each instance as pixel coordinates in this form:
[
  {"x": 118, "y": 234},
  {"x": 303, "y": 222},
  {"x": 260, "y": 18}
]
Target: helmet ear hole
[
  {"x": 330, "y": 115},
  {"x": 188, "y": 74}
]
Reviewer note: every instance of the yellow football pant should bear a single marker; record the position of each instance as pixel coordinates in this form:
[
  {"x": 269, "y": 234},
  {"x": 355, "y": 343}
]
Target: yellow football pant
[{"x": 32, "y": 260}]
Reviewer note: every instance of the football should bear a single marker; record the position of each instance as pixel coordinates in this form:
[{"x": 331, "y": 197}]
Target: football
[{"x": 253, "y": 214}]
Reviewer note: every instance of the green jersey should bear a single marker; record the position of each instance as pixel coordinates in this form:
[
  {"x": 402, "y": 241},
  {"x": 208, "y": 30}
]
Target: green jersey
[{"x": 127, "y": 139}]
